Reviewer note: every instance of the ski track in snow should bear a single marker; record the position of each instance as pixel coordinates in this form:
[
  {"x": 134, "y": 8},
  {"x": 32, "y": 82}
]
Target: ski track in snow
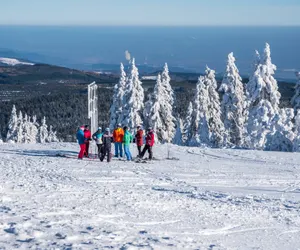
[{"x": 208, "y": 199}]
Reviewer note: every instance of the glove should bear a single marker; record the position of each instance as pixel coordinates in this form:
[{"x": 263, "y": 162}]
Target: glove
[{"x": 133, "y": 140}]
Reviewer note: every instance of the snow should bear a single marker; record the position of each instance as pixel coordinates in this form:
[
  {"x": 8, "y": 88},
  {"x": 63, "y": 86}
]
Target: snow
[
  {"x": 207, "y": 199},
  {"x": 13, "y": 62}
]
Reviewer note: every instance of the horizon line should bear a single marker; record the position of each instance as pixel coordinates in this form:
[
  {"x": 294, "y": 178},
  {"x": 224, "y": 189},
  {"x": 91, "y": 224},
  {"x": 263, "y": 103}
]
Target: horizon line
[{"x": 152, "y": 26}]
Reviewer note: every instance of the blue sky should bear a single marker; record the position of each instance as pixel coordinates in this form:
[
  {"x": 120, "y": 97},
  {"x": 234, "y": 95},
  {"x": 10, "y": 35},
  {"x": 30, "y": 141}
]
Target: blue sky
[{"x": 150, "y": 12}]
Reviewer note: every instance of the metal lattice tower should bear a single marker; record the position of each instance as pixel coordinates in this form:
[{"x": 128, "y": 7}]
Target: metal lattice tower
[{"x": 93, "y": 106}]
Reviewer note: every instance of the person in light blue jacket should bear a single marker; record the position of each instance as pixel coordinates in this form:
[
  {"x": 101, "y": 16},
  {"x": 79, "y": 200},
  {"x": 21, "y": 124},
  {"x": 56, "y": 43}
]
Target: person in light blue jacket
[
  {"x": 97, "y": 136},
  {"x": 81, "y": 142}
]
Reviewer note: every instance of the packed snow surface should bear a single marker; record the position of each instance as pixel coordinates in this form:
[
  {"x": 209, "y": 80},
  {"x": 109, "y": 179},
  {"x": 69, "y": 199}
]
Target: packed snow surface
[
  {"x": 13, "y": 62},
  {"x": 196, "y": 199}
]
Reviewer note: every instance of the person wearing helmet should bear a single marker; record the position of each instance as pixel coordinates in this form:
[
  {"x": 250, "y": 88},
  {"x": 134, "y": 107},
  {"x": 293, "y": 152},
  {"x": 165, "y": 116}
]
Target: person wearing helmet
[
  {"x": 118, "y": 135},
  {"x": 107, "y": 139},
  {"x": 97, "y": 136},
  {"x": 81, "y": 141},
  {"x": 149, "y": 144},
  {"x": 87, "y": 137}
]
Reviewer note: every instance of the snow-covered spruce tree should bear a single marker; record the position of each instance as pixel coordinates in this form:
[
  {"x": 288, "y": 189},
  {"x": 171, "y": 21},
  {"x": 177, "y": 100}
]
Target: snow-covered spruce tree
[
  {"x": 156, "y": 112},
  {"x": 216, "y": 126},
  {"x": 26, "y": 129},
  {"x": 117, "y": 104},
  {"x": 146, "y": 111},
  {"x": 133, "y": 99},
  {"x": 296, "y": 142},
  {"x": 52, "y": 137},
  {"x": 43, "y": 131},
  {"x": 168, "y": 101},
  {"x": 281, "y": 136},
  {"x": 296, "y": 98},
  {"x": 263, "y": 101},
  {"x": 200, "y": 109},
  {"x": 178, "y": 135},
  {"x": 233, "y": 105},
  {"x": 12, "y": 126},
  {"x": 186, "y": 133},
  {"x": 20, "y": 129}
]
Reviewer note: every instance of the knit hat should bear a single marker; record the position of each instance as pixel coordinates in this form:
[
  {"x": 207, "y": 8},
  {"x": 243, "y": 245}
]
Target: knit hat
[
  {"x": 82, "y": 127},
  {"x": 99, "y": 128},
  {"x": 107, "y": 129}
]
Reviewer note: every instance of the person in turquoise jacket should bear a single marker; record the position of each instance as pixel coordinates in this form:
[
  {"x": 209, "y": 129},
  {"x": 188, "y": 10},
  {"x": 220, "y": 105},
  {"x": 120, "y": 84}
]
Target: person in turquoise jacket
[
  {"x": 127, "y": 139},
  {"x": 81, "y": 141},
  {"x": 97, "y": 136}
]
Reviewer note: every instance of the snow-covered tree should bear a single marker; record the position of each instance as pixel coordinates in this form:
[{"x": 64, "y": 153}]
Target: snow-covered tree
[
  {"x": 156, "y": 111},
  {"x": 296, "y": 142},
  {"x": 146, "y": 111},
  {"x": 43, "y": 131},
  {"x": 133, "y": 99},
  {"x": 263, "y": 100},
  {"x": 118, "y": 99},
  {"x": 52, "y": 137},
  {"x": 12, "y": 126},
  {"x": 281, "y": 136},
  {"x": 200, "y": 109},
  {"x": 168, "y": 104},
  {"x": 233, "y": 105},
  {"x": 296, "y": 98},
  {"x": 26, "y": 129},
  {"x": 186, "y": 134},
  {"x": 215, "y": 123},
  {"x": 20, "y": 131},
  {"x": 178, "y": 135}
]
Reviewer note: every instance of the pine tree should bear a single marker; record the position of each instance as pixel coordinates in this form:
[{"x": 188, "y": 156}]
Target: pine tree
[
  {"x": 156, "y": 112},
  {"x": 43, "y": 131},
  {"x": 26, "y": 129},
  {"x": 296, "y": 142},
  {"x": 133, "y": 99},
  {"x": 118, "y": 99},
  {"x": 281, "y": 136},
  {"x": 263, "y": 101},
  {"x": 20, "y": 130},
  {"x": 233, "y": 105},
  {"x": 52, "y": 137},
  {"x": 215, "y": 123},
  {"x": 146, "y": 111},
  {"x": 296, "y": 98},
  {"x": 186, "y": 134},
  {"x": 178, "y": 135},
  {"x": 200, "y": 109},
  {"x": 12, "y": 126}
]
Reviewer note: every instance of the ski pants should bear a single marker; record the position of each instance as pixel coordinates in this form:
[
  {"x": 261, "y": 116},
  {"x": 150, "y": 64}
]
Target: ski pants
[
  {"x": 87, "y": 146},
  {"x": 139, "y": 150},
  {"x": 100, "y": 150},
  {"x": 127, "y": 152},
  {"x": 118, "y": 147},
  {"x": 82, "y": 151},
  {"x": 149, "y": 149},
  {"x": 106, "y": 152}
]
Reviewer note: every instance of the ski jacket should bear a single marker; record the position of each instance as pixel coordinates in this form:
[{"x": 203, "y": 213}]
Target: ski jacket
[
  {"x": 107, "y": 140},
  {"x": 87, "y": 135},
  {"x": 139, "y": 137},
  {"x": 80, "y": 137},
  {"x": 98, "y": 137},
  {"x": 150, "y": 139},
  {"x": 127, "y": 139},
  {"x": 118, "y": 135}
]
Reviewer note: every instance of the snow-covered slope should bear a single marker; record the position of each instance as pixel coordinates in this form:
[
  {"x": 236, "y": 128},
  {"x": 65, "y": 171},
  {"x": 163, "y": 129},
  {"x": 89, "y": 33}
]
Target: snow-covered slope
[
  {"x": 208, "y": 199},
  {"x": 13, "y": 62}
]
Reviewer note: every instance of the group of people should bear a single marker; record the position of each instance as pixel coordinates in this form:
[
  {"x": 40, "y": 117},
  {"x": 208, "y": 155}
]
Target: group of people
[{"x": 121, "y": 137}]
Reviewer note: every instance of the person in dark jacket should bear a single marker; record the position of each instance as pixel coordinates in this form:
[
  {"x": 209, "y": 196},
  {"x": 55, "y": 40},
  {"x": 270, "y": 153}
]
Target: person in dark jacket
[
  {"x": 97, "y": 136},
  {"x": 81, "y": 141},
  {"x": 107, "y": 140},
  {"x": 149, "y": 144},
  {"x": 139, "y": 139},
  {"x": 87, "y": 138}
]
